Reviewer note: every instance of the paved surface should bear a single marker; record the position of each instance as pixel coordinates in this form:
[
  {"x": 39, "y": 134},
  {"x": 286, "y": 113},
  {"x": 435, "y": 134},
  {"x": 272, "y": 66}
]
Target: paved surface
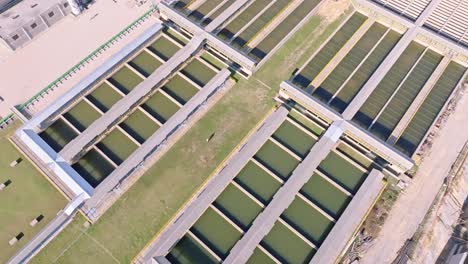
[
  {"x": 399, "y": 161},
  {"x": 156, "y": 141},
  {"x": 418, "y": 100},
  {"x": 422, "y": 190},
  {"x": 72, "y": 149},
  {"x": 264, "y": 222},
  {"x": 34, "y": 66},
  {"x": 188, "y": 216},
  {"x": 349, "y": 221}
]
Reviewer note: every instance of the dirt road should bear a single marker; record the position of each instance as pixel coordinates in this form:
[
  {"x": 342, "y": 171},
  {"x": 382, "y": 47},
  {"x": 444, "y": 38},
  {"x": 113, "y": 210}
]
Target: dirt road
[{"x": 413, "y": 204}]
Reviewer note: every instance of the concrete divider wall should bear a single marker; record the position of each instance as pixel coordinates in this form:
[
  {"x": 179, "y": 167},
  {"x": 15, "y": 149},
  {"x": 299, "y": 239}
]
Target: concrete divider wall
[
  {"x": 139, "y": 157},
  {"x": 225, "y": 49},
  {"x": 44, "y": 118},
  {"x": 86, "y": 139},
  {"x": 213, "y": 188},
  {"x": 264, "y": 222},
  {"x": 340, "y": 235},
  {"x": 398, "y": 161}
]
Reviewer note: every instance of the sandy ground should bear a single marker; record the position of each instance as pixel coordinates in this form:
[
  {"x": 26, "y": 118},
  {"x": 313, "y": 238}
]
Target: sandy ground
[
  {"x": 31, "y": 68},
  {"x": 440, "y": 225},
  {"x": 411, "y": 207}
]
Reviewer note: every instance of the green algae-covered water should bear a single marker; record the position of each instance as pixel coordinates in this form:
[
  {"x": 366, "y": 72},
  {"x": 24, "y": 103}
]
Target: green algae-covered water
[
  {"x": 104, "y": 97},
  {"x": 188, "y": 251},
  {"x": 258, "y": 182},
  {"x": 117, "y": 146},
  {"x": 93, "y": 167},
  {"x": 325, "y": 195},
  {"x": 139, "y": 126},
  {"x": 180, "y": 89},
  {"x": 216, "y": 232},
  {"x": 238, "y": 206},
  {"x": 294, "y": 138},
  {"x": 58, "y": 135},
  {"x": 286, "y": 246},
  {"x": 82, "y": 115},
  {"x": 342, "y": 172},
  {"x": 260, "y": 257},
  {"x": 307, "y": 220},
  {"x": 145, "y": 63},
  {"x": 276, "y": 159},
  {"x": 161, "y": 107}
]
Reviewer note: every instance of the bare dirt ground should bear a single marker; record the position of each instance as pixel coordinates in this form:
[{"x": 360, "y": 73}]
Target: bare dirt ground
[
  {"x": 412, "y": 205},
  {"x": 328, "y": 12},
  {"x": 442, "y": 220},
  {"x": 31, "y": 68},
  {"x": 333, "y": 9}
]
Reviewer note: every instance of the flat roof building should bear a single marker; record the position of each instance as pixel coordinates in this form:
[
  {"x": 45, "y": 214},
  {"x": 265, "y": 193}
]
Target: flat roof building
[{"x": 22, "y": 22}]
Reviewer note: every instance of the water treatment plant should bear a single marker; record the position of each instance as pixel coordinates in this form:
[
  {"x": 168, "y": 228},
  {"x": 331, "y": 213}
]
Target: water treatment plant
[{"x": 245, "y": 131}]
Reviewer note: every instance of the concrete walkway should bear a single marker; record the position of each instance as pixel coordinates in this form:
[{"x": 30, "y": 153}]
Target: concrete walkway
[
  {"x": 39, "y": 241},
  {"x": 379, "y": 74},
  {"x": 264, "y": 222},
  {"x": 212, "y": 40},
  {"x": 189, "y": 215},
  {"x": 418, "y": 24},
  {"x": 350, "y": 220},
  {"x": 225, "y": 15},
  {"x": 70, "y": 152},
  {"x": 399, "y": 162},
  {"x": 404, "y": 121},
  {"x": 417, "y": 198},
  {"x": 156, "y": 141}
]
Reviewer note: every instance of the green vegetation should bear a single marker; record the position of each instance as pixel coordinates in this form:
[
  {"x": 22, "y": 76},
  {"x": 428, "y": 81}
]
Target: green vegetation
[
  {"x": 27, "y": 196},
  {"x": 145, "y": 209}
]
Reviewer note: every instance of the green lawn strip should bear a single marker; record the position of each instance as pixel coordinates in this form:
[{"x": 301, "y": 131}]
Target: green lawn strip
[
  {"x": 28, "y": 196},
  {"x": 145, "y": 209}
]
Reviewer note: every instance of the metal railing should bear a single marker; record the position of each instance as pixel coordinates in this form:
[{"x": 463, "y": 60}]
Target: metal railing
[{"x": 6, "y": 120}]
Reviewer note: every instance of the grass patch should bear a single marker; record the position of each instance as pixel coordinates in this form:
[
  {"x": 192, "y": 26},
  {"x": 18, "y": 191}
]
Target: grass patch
[
  {"x": 144, "y": 210},
  {"x": 28, "y": 196}
]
